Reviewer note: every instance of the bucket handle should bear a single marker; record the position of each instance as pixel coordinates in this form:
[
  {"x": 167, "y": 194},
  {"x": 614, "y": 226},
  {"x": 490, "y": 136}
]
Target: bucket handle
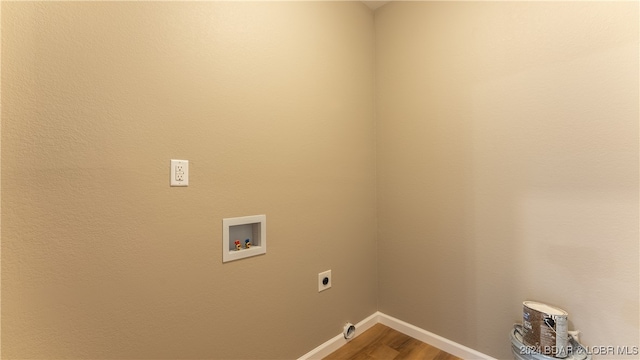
[{"x": 517, "y": 328}]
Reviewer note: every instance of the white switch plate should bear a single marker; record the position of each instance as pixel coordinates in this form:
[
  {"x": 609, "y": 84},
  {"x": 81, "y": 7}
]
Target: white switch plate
[{"x": 179, "y": 172}]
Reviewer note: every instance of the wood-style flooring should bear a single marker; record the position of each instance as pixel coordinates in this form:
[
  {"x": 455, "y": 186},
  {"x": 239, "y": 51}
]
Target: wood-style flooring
[{"x": 383, "y": 343}]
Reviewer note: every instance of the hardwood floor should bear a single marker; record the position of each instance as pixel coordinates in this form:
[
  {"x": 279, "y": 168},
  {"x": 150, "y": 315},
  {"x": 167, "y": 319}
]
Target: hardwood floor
[{"x": 383, "y": 343}]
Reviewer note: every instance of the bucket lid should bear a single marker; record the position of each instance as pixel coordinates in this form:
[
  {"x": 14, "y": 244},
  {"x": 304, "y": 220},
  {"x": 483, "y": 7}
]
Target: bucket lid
[{"x": 544, "y": 308}]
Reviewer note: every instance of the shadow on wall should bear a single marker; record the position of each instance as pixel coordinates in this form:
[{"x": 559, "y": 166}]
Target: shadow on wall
[{"x": 508, "y": 166}]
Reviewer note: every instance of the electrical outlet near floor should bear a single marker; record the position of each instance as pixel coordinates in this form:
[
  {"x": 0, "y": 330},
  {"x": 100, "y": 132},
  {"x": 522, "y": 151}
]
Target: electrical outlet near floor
[{"x": 324, "y": 280}]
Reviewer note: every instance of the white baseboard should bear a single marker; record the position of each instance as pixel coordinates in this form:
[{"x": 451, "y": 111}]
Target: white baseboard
[
  {"x": 336, "y": 342},
  {"x": 430, "y": 338},
  {"x": 415, "y": 332}
]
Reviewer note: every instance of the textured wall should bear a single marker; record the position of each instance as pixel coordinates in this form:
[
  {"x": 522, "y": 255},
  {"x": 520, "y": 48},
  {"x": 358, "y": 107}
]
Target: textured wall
[
  {"x": 507, "y": 170},
  {"x": 273, "y": 105},
  {"x": 508, "y": 166}
]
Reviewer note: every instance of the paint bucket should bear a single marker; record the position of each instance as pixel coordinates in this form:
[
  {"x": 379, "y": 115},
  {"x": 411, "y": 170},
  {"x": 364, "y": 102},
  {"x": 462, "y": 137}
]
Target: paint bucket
[
  {"x": 521, "y": 351},
  {"x": 545, "y": 328}
]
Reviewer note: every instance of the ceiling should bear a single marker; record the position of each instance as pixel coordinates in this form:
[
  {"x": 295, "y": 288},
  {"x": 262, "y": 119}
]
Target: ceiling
[{"x": 374, "y": 4}]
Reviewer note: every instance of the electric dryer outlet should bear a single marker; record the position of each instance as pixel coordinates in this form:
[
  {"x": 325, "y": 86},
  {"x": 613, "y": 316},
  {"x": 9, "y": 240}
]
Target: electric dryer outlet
[{"x": 324, "y": 280}]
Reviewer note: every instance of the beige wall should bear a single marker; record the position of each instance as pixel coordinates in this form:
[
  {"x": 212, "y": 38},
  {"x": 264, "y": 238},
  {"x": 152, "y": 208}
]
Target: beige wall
[
  {"x": 508, "y": 166},
  {"x": 273, "y": 105},
  {"x": 507, "y": 147}
]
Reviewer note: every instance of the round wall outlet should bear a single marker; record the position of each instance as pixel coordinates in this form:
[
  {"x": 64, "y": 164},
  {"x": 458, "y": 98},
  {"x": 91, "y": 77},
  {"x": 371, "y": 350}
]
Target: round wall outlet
[{"x": 324, "y": 280}]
